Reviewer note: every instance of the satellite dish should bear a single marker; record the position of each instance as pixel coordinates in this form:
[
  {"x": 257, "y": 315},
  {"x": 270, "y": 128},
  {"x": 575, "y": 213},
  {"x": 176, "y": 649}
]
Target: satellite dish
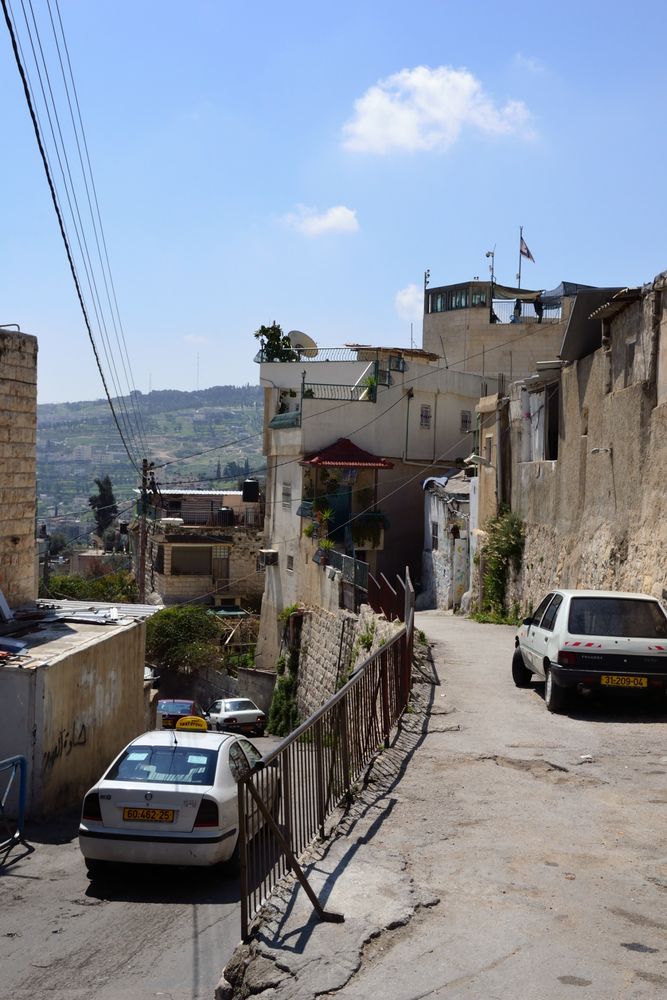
[{"x": 302, "y": 343}]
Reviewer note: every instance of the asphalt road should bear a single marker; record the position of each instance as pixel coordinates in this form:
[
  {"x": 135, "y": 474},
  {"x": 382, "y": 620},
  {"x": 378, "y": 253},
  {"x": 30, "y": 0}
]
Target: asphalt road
[
  {"x": 542, "y": 835},
  {"x": 146, "y": 934}
]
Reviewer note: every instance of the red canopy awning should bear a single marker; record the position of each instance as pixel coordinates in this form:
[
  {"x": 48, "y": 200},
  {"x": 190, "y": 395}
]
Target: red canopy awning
[{"x": 346, "y": 455}]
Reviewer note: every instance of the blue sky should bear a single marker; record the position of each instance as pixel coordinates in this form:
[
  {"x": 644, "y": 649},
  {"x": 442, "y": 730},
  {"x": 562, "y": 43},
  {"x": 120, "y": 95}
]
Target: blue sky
[{"x": 306, "y": 162}]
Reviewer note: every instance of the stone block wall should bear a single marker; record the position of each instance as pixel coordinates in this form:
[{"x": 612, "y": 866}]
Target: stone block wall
[
  {"x": 18, "y": 427},
  {"x": 331, "y": 649}
]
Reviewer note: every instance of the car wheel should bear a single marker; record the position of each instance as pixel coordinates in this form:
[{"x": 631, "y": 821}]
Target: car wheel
[
  {"x": 521, "y": 675},
  {"x": 555, "y": 697}
]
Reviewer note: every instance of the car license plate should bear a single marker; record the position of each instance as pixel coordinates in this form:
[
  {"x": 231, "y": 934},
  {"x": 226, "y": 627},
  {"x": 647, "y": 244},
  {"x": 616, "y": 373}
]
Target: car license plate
[
  {"x": 621, "y": 680},
  {"x": 148, "y": 815}
]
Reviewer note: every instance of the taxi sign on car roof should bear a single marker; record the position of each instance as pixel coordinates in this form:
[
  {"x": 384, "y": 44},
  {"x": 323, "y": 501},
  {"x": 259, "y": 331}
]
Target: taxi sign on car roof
[{"x": 192, "y": 723}]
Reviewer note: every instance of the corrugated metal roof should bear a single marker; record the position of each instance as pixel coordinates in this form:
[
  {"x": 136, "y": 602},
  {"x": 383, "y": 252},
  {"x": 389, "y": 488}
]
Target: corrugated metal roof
[
  {"x": 166, "y": 492},
  {"x": 618, "y": 303},
  {"x": 99, "y": 609}
]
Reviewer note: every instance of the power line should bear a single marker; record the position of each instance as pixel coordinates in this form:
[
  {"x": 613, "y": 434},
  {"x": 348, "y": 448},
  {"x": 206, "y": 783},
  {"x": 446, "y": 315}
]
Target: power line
[{"x": 59, "y": 216}]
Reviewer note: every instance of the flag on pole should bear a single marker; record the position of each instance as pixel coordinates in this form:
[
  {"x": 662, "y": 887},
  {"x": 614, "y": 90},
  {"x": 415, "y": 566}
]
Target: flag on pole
[{"x": 524, "y": 251}]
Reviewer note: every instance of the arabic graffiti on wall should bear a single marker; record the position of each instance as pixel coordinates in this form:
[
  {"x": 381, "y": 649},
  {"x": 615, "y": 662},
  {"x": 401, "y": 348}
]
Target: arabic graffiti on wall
[{"x": 66, "y": 741}]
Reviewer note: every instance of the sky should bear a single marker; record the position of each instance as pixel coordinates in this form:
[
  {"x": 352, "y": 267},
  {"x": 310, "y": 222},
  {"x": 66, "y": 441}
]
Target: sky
[{"x": 306, "y": 162}]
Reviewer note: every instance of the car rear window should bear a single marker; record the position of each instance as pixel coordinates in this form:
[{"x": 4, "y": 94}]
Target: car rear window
[
  {"x": 240, "y": 705},
  {"x": 175, "y": 707},
  {"x": 165, "y": 765},
  {"x": 622, "y": 617}
]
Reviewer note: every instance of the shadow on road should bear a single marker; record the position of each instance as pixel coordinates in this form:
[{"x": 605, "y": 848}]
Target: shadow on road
[
  {"x": 613, "y": 706},
  {"x": 157, "y": 884}
]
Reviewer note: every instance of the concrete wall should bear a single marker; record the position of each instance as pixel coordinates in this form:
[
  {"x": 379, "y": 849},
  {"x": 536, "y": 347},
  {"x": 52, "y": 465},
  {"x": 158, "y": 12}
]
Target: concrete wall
[
  {"x": 472, "y": 344},
  {"x": 71, "y": 717},
  {"x": 597, "y": 517},
  {"x": 18, "y": 423}
]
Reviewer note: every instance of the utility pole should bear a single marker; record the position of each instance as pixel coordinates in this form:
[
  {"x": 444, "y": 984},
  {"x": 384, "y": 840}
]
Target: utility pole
[{"x": 142, "y": 532}]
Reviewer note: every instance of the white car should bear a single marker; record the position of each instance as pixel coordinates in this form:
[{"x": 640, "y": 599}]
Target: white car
[
  {"x": 236, "y": 715},
  {"x": 170, "y": 798},
  {"x": 587, "y": 639}
]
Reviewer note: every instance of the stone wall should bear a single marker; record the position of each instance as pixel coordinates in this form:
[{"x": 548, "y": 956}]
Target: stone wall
[
  {"x": 331, "y": 648},
  {"x": 597, "y": 517},
  {"x": 18, "y": 423}
]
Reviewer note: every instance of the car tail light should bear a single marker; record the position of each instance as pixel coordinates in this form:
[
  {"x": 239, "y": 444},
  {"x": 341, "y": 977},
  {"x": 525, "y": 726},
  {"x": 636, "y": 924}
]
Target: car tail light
[
  {"x": 91, "y": 807},
  {"x": 261, "y": 718},
  {"x": 566, "y": 658},
  {"x": 207, "y": 814},
  {"x": 230, "y": 722}
]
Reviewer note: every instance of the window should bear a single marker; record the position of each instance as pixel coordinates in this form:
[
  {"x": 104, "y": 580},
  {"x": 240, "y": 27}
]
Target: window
[
  {"x": 191, "y": 560},
  {"x": 617, "y": 616},
  {"x": 290, "y": 564},
  {"x": 165, "y": 765},
  {"x": 425, "y": 415},
  {"x": 488, "y": 447},
  {"x": 238, "y": 762},
  {"x": 537, "y": 615},
  {"x": 550, "y": 617},
  {"x": 479, "y": 298},
  {"x": 287, "y": 496},
  {"x": 434, "y": 536},
  {"x": 629, "y": 360},
  {"x": 466, "y": 421}
]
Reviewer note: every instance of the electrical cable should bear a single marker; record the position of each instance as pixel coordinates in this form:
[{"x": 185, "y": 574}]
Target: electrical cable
[{"x": 61, "y": 224}]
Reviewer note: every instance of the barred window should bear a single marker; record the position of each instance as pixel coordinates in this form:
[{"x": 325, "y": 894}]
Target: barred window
[
  {"x": 466, "y": 421},
  {"x": 425, "y": 415},
  {"x": 434, "y": 535},
  {"x": 290, "y": 564},
  {"x": 287, "y": 496}
]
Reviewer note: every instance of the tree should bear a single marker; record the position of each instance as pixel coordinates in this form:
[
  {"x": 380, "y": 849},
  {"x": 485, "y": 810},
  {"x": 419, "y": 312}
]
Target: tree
[
  {"x": 276, "y": 345},
  {"x": 103, "y": 504}
]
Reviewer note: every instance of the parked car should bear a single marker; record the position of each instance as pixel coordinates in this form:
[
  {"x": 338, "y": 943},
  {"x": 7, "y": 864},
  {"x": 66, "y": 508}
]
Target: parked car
[
  {"x": 170, "y": 798},
  {"x": 170, "y": 710},
  {"x": 237, "y": 715},
  {"x": 587, "y": 639}
]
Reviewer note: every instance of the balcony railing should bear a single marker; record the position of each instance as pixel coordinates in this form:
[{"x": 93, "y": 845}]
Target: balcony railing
[
  {"x": 504, "y": 312},
  {"x": 352, "y": 393}
]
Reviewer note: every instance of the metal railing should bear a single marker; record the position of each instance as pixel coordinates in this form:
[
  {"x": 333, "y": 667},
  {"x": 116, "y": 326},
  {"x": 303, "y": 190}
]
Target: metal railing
[
  {"x": 504, "y": 312},
  {"x": 286, "y": 800},
  {"x": 353, "y": 393},
  {"x": 11, "y": 829}
]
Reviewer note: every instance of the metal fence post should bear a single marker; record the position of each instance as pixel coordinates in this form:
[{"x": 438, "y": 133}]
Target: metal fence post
[
  {"x": 243, "y": 859},
  {"x": 319, "y": 765},
  {"x": 384, "y": 679}
]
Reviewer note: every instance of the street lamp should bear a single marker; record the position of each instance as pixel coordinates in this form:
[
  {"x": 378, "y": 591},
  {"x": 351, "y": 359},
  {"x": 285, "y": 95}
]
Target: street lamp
[{"x": 492, "y": 269}]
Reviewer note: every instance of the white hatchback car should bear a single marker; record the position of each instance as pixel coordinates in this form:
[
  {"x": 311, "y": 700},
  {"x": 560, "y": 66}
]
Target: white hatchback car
[
  {"x": 586, "y": 639},
  {"x": 236, "y": 715},
  {"x": 170, "y": 798}
]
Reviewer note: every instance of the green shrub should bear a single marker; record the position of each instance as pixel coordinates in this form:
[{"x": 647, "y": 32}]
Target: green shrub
[{"x": 504, "y": 548}]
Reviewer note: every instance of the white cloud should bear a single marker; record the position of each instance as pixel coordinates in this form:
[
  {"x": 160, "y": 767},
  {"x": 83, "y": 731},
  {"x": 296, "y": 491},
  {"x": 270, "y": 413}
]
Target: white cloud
[
  {"x": 425, "y": 109},
  {"x": 193, "y": 338},
  {"x": 310, "y": 222},
  {"x": 409, "y": 303}
]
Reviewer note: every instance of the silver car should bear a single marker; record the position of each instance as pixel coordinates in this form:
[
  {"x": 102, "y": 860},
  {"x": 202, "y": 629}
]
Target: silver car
[{"x": 587, "y": 639}]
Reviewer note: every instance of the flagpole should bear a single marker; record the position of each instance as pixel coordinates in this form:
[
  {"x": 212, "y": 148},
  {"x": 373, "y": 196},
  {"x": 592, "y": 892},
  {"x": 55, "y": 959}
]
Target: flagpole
[{"x": 520, "y": 239}]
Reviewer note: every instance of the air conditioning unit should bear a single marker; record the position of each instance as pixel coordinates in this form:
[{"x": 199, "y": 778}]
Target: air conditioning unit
[{"x": 267, "y": 557}]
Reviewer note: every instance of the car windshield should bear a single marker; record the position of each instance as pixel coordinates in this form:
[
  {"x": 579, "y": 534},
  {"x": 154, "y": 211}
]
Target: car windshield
[
  {"x": 240, "y": 705},
  {"x": 175, "y": 707},
  {"x": 165, "y": 765},
  {"x": 623, "y": 617}
]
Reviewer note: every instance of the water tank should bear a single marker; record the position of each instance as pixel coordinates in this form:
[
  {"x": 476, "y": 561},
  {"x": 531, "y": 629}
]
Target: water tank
[
  {"x": 225, "y": 517},
  {"x": 250, "y": 491}
]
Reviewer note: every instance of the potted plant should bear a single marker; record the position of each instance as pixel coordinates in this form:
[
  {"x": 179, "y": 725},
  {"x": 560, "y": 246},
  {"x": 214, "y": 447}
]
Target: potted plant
[{"x": 326, "y": 545}]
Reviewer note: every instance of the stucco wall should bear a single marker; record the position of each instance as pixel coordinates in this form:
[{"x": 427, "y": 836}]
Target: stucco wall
[
  {"x": 89, "y": 704},
  {"x": 18, "y": 423}
]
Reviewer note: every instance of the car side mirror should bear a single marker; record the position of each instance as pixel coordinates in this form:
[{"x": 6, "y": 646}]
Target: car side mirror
[{"x": 528, "y": 621}]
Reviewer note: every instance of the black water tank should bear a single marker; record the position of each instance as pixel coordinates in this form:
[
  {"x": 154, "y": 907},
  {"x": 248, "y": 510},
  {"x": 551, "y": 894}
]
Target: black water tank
[
  {"x": 225, "y": 517},
  {"x": 250, "y": 491}
]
